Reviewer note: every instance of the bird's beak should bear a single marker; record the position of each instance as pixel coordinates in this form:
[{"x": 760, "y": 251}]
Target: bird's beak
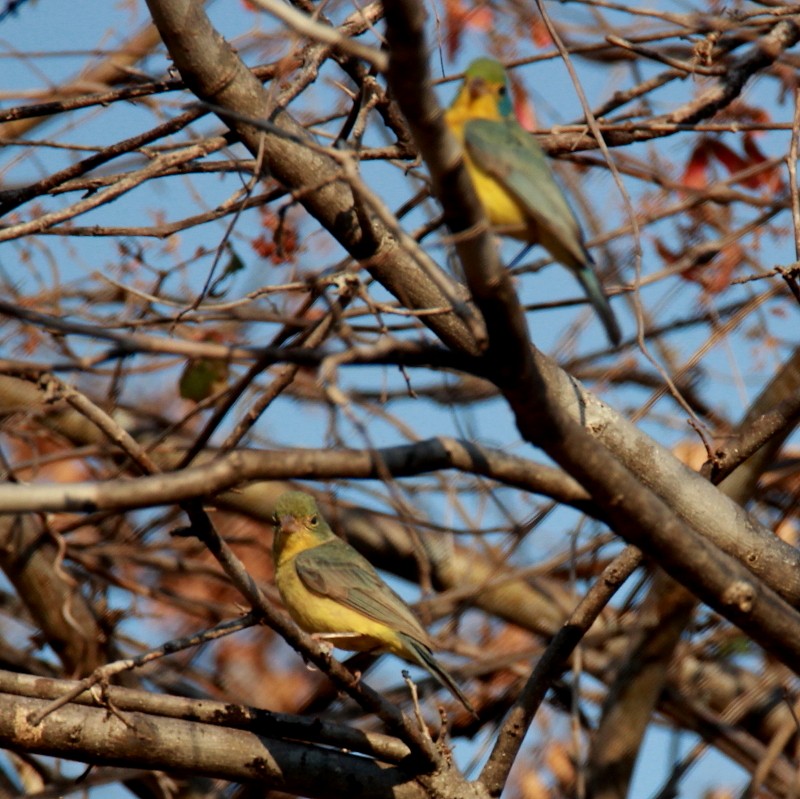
[
  {"x": 289, "y": 524},
  {"x": 477, "y": 88}
]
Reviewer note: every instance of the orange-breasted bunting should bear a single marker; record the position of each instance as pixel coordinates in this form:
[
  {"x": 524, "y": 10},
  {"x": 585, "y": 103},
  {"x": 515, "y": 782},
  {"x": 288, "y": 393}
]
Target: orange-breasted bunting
[
  {"x": 514, "y": 182},
  {"x": 333, "y": 591}
]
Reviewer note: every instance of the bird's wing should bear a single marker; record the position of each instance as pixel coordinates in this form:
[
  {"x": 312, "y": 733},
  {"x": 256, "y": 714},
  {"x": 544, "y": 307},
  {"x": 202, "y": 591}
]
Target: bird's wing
[
  {"x": 507, "y": 152},
  {"x": 335, "y": 570}
]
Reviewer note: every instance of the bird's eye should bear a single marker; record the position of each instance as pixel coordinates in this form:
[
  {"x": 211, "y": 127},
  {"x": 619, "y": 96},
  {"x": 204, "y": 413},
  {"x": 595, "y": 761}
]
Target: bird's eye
[
  {"x": 502, "y": 91},
  {"x": 313, "y": 521}
]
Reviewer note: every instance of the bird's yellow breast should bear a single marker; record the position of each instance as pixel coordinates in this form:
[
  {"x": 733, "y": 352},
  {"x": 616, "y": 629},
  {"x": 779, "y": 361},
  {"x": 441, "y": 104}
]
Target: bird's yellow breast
[
  {"x": 321, "y": 614},
  {"x": 503, "y": 210}
]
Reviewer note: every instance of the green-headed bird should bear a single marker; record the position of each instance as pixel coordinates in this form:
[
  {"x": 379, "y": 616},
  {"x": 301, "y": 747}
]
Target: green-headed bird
[
  {"x": 333, "y": 591},
  {"x": 513, "y": 179}
]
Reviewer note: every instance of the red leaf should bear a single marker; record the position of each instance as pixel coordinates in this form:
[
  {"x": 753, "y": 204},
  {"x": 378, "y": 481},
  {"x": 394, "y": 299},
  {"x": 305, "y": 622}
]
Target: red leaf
[
  {"x": 666, "y": 254},
  {"x": 284, "y": 243},
  {"x": 719, "y": 277},
  {"x": 771, "y": 178},
  {"x": 457, "y": 17},
  {"x": 454, "y": 23},
  {"x": 264, "y": 247},
  {"x": 714, "y": 275},
  {"x": 695, "y": 176},
  {"x": 523, "y": 108},
  {"x": 732, "y": 161}
]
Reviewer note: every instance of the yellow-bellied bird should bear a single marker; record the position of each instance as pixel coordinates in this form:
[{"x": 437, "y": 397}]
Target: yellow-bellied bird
[
  {"x": 333, "y": 591},
  {"x": 513, "y": 179}
]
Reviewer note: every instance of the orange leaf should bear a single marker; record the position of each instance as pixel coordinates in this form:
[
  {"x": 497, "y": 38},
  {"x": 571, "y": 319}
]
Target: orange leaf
[
  {"x": 539, "y": 33},
  {"x": 480, "y": 19}
]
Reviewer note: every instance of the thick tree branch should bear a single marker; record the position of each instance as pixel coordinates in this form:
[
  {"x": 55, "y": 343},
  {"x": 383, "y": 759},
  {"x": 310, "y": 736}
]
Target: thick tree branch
[
  {"x": 635, "y": 512},
  {"x": 216, "y": 74},
  {"x": 240, "y": 467},
  {"x": 140, "y": 740}
]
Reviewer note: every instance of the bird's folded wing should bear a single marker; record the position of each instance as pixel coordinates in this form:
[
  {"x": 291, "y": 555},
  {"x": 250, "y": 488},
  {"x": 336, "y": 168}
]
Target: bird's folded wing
[
  {"x": 507, "y": 152},
  {"x": 338, "y": 572}
]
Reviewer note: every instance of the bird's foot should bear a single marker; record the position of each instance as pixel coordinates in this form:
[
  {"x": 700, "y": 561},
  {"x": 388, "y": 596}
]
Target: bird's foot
[{"x": 321, "y": 639}]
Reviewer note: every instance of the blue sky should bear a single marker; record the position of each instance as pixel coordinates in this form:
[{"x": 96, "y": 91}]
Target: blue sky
[{"x": 736, "y": 369}]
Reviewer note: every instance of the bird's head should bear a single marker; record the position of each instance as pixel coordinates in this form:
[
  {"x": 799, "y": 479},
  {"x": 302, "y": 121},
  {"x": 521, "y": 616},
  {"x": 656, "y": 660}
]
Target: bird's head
[
  {"x": 485, "y": 89},
  {"x": 297, "y": 512}
]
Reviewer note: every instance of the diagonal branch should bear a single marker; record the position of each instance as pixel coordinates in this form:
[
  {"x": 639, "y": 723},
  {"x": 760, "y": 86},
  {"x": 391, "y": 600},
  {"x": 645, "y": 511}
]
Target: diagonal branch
[
  {"x": 635, "y": 512},
  {"x": 215, "y": 73}
]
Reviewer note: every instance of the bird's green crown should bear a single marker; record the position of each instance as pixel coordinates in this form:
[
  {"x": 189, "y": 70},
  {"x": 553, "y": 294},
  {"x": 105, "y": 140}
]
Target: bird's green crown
[
  {"x": 486, "y": 69},
  {"x": 296, "y": 503},
  {"x": 492, "y": 75}
]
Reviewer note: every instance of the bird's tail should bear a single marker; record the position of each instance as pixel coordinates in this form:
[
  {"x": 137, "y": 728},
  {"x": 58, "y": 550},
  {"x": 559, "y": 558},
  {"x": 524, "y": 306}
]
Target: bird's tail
[
  {"x": 594, "y": 291},
  {"x": 425, "y": 658}
]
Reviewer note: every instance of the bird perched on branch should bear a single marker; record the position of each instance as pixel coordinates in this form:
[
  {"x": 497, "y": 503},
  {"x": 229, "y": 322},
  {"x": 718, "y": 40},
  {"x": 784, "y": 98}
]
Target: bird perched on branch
[
  {"x": 513, "y": 179},
  {"x": 334, "y": 592}
]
